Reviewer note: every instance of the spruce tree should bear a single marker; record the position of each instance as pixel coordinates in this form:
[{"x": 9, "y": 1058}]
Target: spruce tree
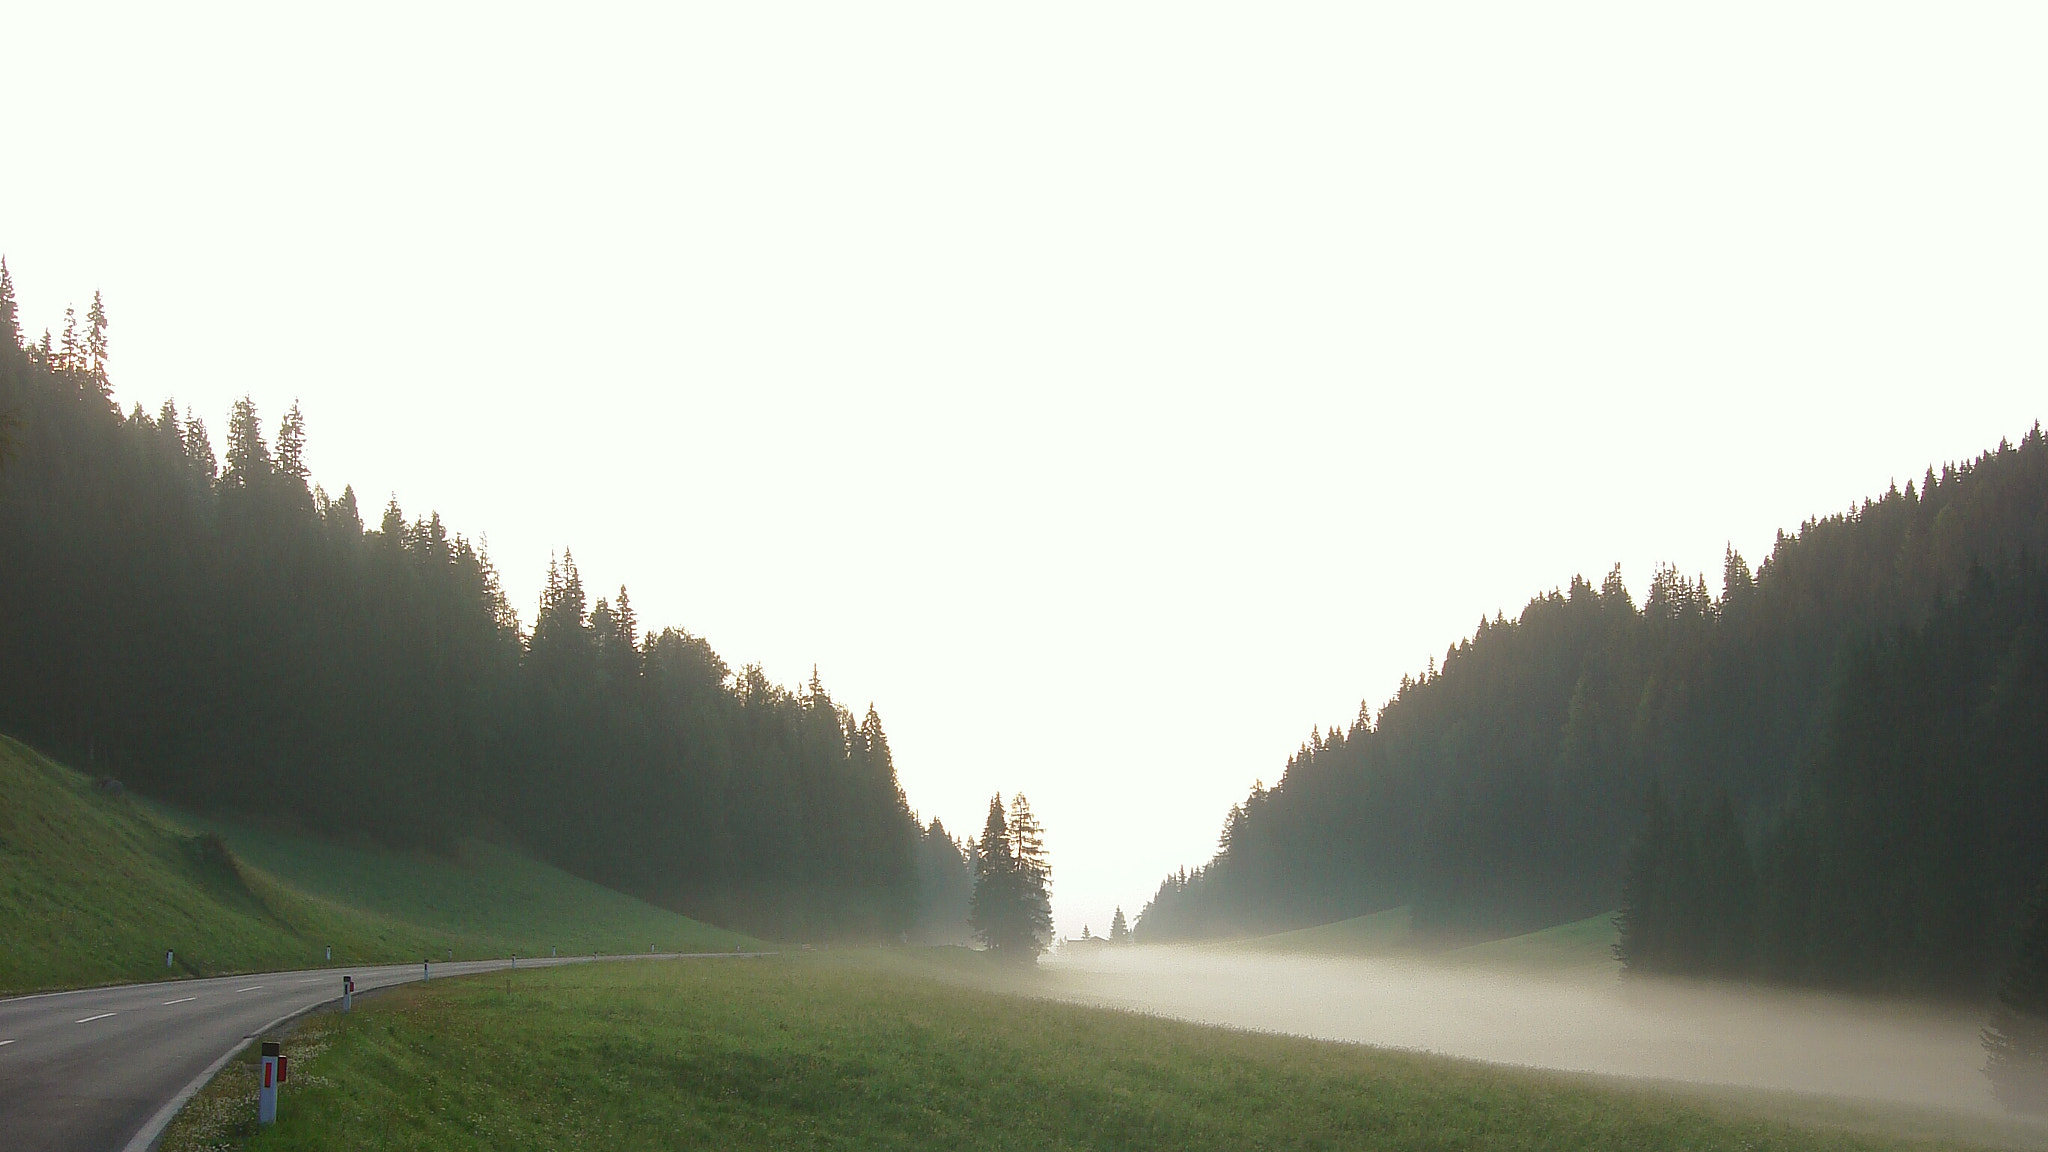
[
  {"x": 2016, "y": 1040},
  {"x": 1034, "y": 875},
  {"x": 10, "y": 311},
  {"x": 991, "y": 911},
  {"x": 291, "y": 445},
  {"x": 1009, "y": 911},
  {"x": 248, "y": 457},
  {"x": 96, "y": 346},
  {"x": 69, "y": 353},
  {"x": 199, "y": 450},
  {"x": 1119, "y": 932},
  {"x": 1643, "y": 924}
]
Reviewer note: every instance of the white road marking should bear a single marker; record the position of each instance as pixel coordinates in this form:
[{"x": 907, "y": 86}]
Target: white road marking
[
  {"x": 90, "y": 1019},
  {"x": 168, "y": 1003},
  {"x": 250, "y": 988}
]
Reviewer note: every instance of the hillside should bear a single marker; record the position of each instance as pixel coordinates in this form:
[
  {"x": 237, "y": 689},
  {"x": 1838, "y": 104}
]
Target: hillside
[
  {"x": 95, "y": 885},
  {"x": 195, "y": 622},
  {"x": 1583, "y": 946},
  {"x": 1827, "y": 774}
]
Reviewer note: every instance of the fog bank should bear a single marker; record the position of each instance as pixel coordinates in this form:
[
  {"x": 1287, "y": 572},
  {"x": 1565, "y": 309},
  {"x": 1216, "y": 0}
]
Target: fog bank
[{"x": 1588, "y": 1021}]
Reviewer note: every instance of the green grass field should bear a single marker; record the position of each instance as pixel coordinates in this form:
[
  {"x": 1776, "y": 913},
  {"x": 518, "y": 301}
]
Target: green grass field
[
  {"x": 95, "y": 886},
  {"x": 871, "y": 1051}
]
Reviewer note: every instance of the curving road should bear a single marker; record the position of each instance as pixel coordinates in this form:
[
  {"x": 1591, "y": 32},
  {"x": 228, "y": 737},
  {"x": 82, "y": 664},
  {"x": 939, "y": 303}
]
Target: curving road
[{"x": 100, "y": 1069}]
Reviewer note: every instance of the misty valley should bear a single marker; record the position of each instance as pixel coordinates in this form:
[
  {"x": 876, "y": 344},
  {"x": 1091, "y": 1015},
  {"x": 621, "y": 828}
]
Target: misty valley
[
  {"x": 1071, "y": 577},
  {"x": 1765, "y": 862}
]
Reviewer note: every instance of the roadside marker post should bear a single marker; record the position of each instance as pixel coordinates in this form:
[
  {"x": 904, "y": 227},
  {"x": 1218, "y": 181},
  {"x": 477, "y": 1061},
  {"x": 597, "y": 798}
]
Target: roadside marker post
[
  {"x": 330, "y": 951},
  {"x": 273, "y": 1074},
  {"x": 426, "y": 971},
  {"x": 348, "y": 993},
  {"x": 167, "y": 957}
]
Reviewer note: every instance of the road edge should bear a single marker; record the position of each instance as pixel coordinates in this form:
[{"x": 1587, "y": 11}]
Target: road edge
[{"x": 152, "y": 1130}]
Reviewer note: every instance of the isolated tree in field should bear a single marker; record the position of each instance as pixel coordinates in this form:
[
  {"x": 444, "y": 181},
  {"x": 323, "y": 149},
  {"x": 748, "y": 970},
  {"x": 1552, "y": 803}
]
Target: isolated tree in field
[
  {"x": 991, "y": 910},
  {"x": 1034, "y": 870},
  {"x": 1010, "y": 911},
  {"x": 2016, "y": 1040},
  {"x": 1119, "y": 932}
]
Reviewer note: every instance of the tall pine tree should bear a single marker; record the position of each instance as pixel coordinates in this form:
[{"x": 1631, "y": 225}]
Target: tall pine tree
[{"x": 2016, "y": 1040}]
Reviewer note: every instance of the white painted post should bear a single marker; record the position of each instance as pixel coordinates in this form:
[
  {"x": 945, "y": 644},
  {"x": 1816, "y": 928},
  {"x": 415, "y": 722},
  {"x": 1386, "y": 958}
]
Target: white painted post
[
  {"x": 266, "y": 1094},
  {"x": 551, "y": 951},
  {"x": 167, "y": 957},
  {"x": 330, "y": 951},
  {"x": 348, "y": 993},
  {"x": 426, "y": 971}
]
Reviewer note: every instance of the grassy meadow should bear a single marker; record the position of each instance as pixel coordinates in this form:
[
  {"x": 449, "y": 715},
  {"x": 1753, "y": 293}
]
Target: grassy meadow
[
  {"x": 894, "y": 1051},
  {"x": 95, "y": 885}
]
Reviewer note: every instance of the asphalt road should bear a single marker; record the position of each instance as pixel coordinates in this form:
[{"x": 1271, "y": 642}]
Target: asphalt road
[{"x": 102, "y": 1069}]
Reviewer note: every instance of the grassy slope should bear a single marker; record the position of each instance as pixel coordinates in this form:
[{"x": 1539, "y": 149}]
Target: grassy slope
[
  {"x": 94, "y": 888},
  {"x": 869, "y": 1051},
  {"x": 490, "y": 897},
  {"x": 1380, "y": 934},
  {"x": 1582, "y": 945}
]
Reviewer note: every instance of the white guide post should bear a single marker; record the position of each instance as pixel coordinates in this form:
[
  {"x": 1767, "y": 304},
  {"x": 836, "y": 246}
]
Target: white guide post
[
  {"x": 348, "y": 993},
  {"x": 266, "y": 1094}
]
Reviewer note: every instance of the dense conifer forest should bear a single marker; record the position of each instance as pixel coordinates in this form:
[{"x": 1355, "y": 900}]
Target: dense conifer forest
[
  {"x": 225, "y": 634},
  {"x": 1835, "y": 772}
]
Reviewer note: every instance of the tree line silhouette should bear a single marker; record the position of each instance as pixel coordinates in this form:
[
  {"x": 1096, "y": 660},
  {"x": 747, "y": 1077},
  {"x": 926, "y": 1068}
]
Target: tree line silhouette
[
  {"x": 227, "y": 635},
  {"x": 1832, "y": 773}
]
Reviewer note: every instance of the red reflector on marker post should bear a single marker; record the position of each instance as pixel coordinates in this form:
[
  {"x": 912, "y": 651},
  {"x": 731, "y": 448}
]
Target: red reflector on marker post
[{"x": 273, "y": 1071}]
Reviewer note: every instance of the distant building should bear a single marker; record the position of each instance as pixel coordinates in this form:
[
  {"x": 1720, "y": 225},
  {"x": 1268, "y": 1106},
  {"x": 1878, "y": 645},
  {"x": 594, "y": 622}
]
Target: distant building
[{"x": 1086, "y": 942}]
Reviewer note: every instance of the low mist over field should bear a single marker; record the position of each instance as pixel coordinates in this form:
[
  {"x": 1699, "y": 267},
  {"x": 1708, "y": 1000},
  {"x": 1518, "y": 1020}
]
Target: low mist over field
[{"x": 1590, "y": 1022}]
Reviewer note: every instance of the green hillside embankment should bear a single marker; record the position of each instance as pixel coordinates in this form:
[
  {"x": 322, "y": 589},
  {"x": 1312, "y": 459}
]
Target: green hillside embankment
[{"x": 95, "y": 886}]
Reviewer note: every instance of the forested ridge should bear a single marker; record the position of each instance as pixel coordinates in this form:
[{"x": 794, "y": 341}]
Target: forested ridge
[
  {"x": 1834, "y": 772},
  {"x": 227, "y": 635}
]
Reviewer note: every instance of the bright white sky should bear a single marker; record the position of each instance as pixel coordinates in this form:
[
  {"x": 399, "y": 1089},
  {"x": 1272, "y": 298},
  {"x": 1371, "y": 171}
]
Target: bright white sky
[{"x": 1109, "y": 392}]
